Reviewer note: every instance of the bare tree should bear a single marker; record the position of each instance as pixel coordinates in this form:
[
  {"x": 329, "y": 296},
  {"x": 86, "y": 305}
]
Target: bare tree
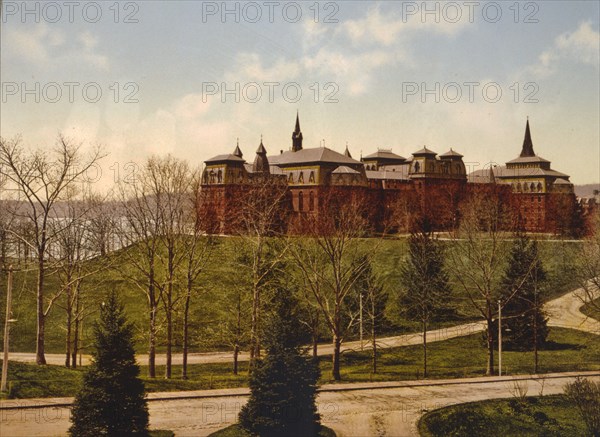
[
  {"x": 372, "y": 303},
  {"x": 197, "y": 249},
  {"x": 73, "y": 265},
  {"x": 138, "y": 233},
  {"x": 588, "y": 264},
  {"x": 477, "y": 258},
  {"x": 332, "y": 260},
  {"x": 42, "y": 178},
  {"x": 262, "y": 208}
]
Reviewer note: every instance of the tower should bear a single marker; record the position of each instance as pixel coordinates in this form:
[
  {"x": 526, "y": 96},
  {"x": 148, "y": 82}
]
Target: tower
[
  {"x": 527, "y": 150},
  {"x": 261, "y": 163},
  {"x": 297, "y": 136}
]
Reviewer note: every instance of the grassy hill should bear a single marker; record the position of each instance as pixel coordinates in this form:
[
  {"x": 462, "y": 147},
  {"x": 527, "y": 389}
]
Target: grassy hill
[{"x": 222, "y": 277}]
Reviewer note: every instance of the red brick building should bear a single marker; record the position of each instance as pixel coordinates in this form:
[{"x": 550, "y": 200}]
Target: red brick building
[{"x": 394, "y": 188}]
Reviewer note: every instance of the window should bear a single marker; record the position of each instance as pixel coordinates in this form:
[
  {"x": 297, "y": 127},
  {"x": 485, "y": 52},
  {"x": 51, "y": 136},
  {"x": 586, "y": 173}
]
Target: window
[
  {"x": 291, "y": 178},
  {"x": 300, "y": 201},
  {"x": 539, "y": 187},
  {"x": 301, "y": 178},
  {"x": 219, "y": 176},
  {"x": 417, "y": 167},
  {"x": 311, "y": 178},
  {"x": 311, "y": 201}
]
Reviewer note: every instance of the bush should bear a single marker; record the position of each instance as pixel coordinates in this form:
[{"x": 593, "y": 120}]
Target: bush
[{"x": 586, "y": 395}]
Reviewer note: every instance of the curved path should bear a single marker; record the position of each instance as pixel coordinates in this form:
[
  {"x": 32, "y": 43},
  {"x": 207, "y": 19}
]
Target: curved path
[
  {"x": 563, "y": 312},
  {"x": 364, "y": 409}
]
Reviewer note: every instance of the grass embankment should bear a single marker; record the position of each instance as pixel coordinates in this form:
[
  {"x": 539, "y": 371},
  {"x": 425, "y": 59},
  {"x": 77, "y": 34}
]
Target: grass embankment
[
  {"x": 592, "y": 309},
  {"x": 567, "y": 350},
  {"x": 237, "y": 431},
  {"x": 548, "y": 416},
  {"x": 214, "y": 299}
]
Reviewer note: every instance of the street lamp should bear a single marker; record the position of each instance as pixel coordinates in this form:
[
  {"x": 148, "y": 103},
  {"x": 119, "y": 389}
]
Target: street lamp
[{"x": 499, "y": 338}]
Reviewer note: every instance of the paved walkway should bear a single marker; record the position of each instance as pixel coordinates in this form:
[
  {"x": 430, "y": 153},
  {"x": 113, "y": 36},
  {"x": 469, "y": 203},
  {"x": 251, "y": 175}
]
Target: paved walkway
[
  {"x": 563, "y": 312},
  {"x": 362, "y": 409}
]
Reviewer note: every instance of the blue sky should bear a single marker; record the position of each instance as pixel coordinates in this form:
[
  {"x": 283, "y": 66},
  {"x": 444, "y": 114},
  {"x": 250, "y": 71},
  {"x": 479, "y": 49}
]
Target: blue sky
[{"x": 373, "y": 57}]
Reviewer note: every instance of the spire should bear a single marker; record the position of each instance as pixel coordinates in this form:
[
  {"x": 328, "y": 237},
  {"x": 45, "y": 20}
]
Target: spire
[
  {"x": 297, "y": 136},
  {"x": 261, "y": 163},
  {"x": 492, "y": 177},
  {"x": 297, "y": 130},
  {"x": 347, "y": 152},
  {"x": 238, "y": 152},
  {"x": 527, "y": 150}
]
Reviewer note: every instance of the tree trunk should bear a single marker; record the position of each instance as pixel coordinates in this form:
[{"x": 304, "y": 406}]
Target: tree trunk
[
  {"x": 335, "y": 372},
  {"x": 238, "y": 334},
  {"x": 40, "y": 357},
  {"x": 76, "y": 335},
  {"x": 424, "y": 349},
  {"x": 236, "y": 352},
  {"x": 186, "y": 310},
  {"x": 373, "y": 334},
  {"x": 490, "y": 347},
  {"x": 68, "y": 336},
  {"x": 315, "y": 345},
  {"x": 169, "y": 362},
  {"x": 254, "y": 348},
  {"x": 535, "y": 341}
]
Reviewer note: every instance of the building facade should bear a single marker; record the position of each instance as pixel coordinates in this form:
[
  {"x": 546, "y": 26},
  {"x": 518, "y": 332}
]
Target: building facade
[{"x": 310, "y": 181}]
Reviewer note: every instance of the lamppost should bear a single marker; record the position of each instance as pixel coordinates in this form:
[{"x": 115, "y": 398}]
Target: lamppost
[
  {"x": 499, "y": 338},
  {"x": 7, "y": 322}
]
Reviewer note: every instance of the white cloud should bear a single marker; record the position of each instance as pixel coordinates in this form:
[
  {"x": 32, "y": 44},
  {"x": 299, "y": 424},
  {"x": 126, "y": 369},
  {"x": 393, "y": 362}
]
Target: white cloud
[
  {"x": 581, "y": 46},
  {"x": 48, "y": 48}
]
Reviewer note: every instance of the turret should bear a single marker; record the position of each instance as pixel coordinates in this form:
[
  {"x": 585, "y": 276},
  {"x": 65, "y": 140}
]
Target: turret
[{"x": 297, "y": 136}]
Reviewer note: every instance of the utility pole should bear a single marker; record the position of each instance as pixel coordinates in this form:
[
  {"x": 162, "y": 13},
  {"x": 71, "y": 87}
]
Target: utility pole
[
  {"x": 7, "y": 321},
  {"x": 499, "y": 338}
]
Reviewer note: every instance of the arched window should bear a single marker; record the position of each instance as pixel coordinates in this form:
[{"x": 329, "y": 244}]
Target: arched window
[
  {"x": 539, "y": 187},
  {"x": 291, "y": 178},
  {"x": 417, "y": 167},
  {"x": 311, "y": 201},
  {"x": 301, "y": 178},
  {"x": 311, "y": 178},
  {"x": 300, "y": 201},
  {"x": 532, "y": 187},
  {"x": 219, "y": 176}
]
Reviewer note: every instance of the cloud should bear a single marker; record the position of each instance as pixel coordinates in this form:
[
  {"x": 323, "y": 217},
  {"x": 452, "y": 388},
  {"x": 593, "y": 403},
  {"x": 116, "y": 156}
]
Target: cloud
[
  {"x": 581, "y": 46},
  {"x": 48, "y": 48}
]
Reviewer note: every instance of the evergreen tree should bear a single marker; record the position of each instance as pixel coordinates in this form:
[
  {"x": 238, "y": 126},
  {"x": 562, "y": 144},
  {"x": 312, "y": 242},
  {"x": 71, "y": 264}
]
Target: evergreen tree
[
  {"x": 111, "y": 401},
  {"x": 524, "y": 323},
  {"x": 425, "y": 291},
  {"x": 283, "y": 386}
]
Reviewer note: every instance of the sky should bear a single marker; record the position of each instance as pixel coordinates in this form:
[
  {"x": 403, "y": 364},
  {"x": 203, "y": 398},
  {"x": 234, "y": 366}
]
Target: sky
[{"x": 189, "y": 78}]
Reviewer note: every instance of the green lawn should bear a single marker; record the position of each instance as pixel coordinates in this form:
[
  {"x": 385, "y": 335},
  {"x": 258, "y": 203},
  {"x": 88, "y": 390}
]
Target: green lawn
[
  {"x": 237, "y": 431},
  {"x": 222, "y": 276},
  {"x": 568, "y": 350},
  {"x": 547, "y": 416}
]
